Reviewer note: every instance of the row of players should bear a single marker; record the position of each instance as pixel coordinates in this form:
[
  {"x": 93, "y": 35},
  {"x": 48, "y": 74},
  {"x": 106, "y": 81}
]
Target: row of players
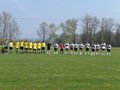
[
  {"x": 78, "y": 48},
  {"x": 37, "y": 47}
]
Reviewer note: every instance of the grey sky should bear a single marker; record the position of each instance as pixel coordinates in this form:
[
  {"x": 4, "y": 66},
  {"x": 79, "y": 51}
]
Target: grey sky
[{"x": 30, "y": 13}]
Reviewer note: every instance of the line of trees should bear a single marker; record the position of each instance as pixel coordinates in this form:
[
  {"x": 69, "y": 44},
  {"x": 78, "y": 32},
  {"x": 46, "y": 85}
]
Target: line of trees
[
  {"x": 8, "y": 27},
  {"x": 87, "y": 29}
]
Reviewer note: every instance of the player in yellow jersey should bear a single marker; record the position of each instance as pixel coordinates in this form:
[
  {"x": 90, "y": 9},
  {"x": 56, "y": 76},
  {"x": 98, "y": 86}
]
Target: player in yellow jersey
[
  {"x": 30, "y": 45},
  {"x": 21, "y": 46},
  {"x": 38, "y": 47},
  {"x": 43, "y": 47},
  {"x": 26, "y": 47},
  {"x": 34, "y": 47},
  {"x": 11, "y": 47},
  {"x": 17, "y": 44}
]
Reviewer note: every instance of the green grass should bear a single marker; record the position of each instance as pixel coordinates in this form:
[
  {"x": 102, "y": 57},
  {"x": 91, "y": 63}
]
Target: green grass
[{"x": 44, "y": 72}]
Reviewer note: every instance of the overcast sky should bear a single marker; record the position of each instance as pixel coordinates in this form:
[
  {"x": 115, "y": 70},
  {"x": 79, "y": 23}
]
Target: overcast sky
[{"x": 30, "y": 13}]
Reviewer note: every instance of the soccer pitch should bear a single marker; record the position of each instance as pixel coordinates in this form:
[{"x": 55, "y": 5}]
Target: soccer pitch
[{"x": 55, "y": 72}]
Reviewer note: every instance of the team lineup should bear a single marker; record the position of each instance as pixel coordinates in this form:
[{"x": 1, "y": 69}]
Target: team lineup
[{"x": 25, "y": 47}]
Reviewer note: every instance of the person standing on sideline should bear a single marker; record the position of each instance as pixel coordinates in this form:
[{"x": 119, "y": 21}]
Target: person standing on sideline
[
  {"x": 39, "y": 47},
  {"x": 108, "y": 50},
  {"x": 56, "y": 46},
  {"x": 43, "y": 47},
  {"x": 87, "y": 47},
  {"x": 5, "y": 47},
  {"x": 30, "y": 45},
  {"x": 21, "y": 46},
  {"x": 75, "y": 49},
  {"x": 93, "y": 47},
  {"x": 26, "y": 47},
  {"x": 80, "y": 48},
  {"x": 71, "y": 48},
  {"x": 97, "y": 49},
  {"x": 17, "y": 47},
  {"x": 11, "y": 46},
  {"x": 48, "y": 48},
  {"x": 34, "y": 48},
  {"x": 103, "y": 47},
  {"x": 62, "y": 49},
  {"x": 67, "y": 45}
]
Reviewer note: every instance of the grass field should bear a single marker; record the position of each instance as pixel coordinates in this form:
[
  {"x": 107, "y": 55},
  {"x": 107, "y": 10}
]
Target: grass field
[{"x": 43, "y": 72}]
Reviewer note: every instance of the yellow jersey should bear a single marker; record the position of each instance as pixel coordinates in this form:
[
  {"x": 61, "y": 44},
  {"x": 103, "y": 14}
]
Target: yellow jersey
[
  {"x": 17, "y": 44},
  {"x": 22, "y": 43},
  {"x": 26, "y": 44},
  {"x": 39, "y": 45},
  {"x": 30, "y": 45},
  {"x": 11, "y": 44},
  {"x": 35, "y": 46},
  {"x": 43, "y": 45}
]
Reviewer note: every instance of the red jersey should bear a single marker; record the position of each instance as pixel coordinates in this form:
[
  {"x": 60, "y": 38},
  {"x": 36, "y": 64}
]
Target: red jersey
[{"x": 61, "y": 46}]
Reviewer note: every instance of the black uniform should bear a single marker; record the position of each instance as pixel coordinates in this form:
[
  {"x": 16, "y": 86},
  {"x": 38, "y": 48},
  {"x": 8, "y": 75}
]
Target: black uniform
[{"x": 48, "y": 46}]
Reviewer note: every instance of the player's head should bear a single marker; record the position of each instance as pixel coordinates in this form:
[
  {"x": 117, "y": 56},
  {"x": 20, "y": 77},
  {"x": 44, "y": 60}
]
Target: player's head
[
  {"x": 37, "y": 41},
  {"x": 5, "y": 40}
]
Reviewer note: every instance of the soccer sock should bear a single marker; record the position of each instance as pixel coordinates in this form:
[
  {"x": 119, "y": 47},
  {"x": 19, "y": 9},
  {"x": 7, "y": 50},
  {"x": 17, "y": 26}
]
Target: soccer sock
[
  {"x": 109, "y": 53},
  {"x": 74, "y": 53},
  {"x": 103, "y": 54},
  {"x": 91, "y": 53},
  {"x": 88, "y": 53},
  {"x": 96, "y": 53},
  {"x": 80, "y": 53},
  {"x": 65, "y": 53}
]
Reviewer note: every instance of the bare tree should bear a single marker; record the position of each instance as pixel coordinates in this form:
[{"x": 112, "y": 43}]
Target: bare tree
[
  {"x": 95, "y": 27},
  {"x": 89, "y": 27},
  {"x": 43, "y": 31},
  {"x": 117, "y": 37},
  {"x": 8, "y": 26},
  {"x": 107, "y": 27},
  {"x": 69, "y": 28},
  {"x": 13, "y": 30},
  {"x": 5, "y": 21},
  {"x": 0, "y": 26},
  {"x": 53, "y": 29}
]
